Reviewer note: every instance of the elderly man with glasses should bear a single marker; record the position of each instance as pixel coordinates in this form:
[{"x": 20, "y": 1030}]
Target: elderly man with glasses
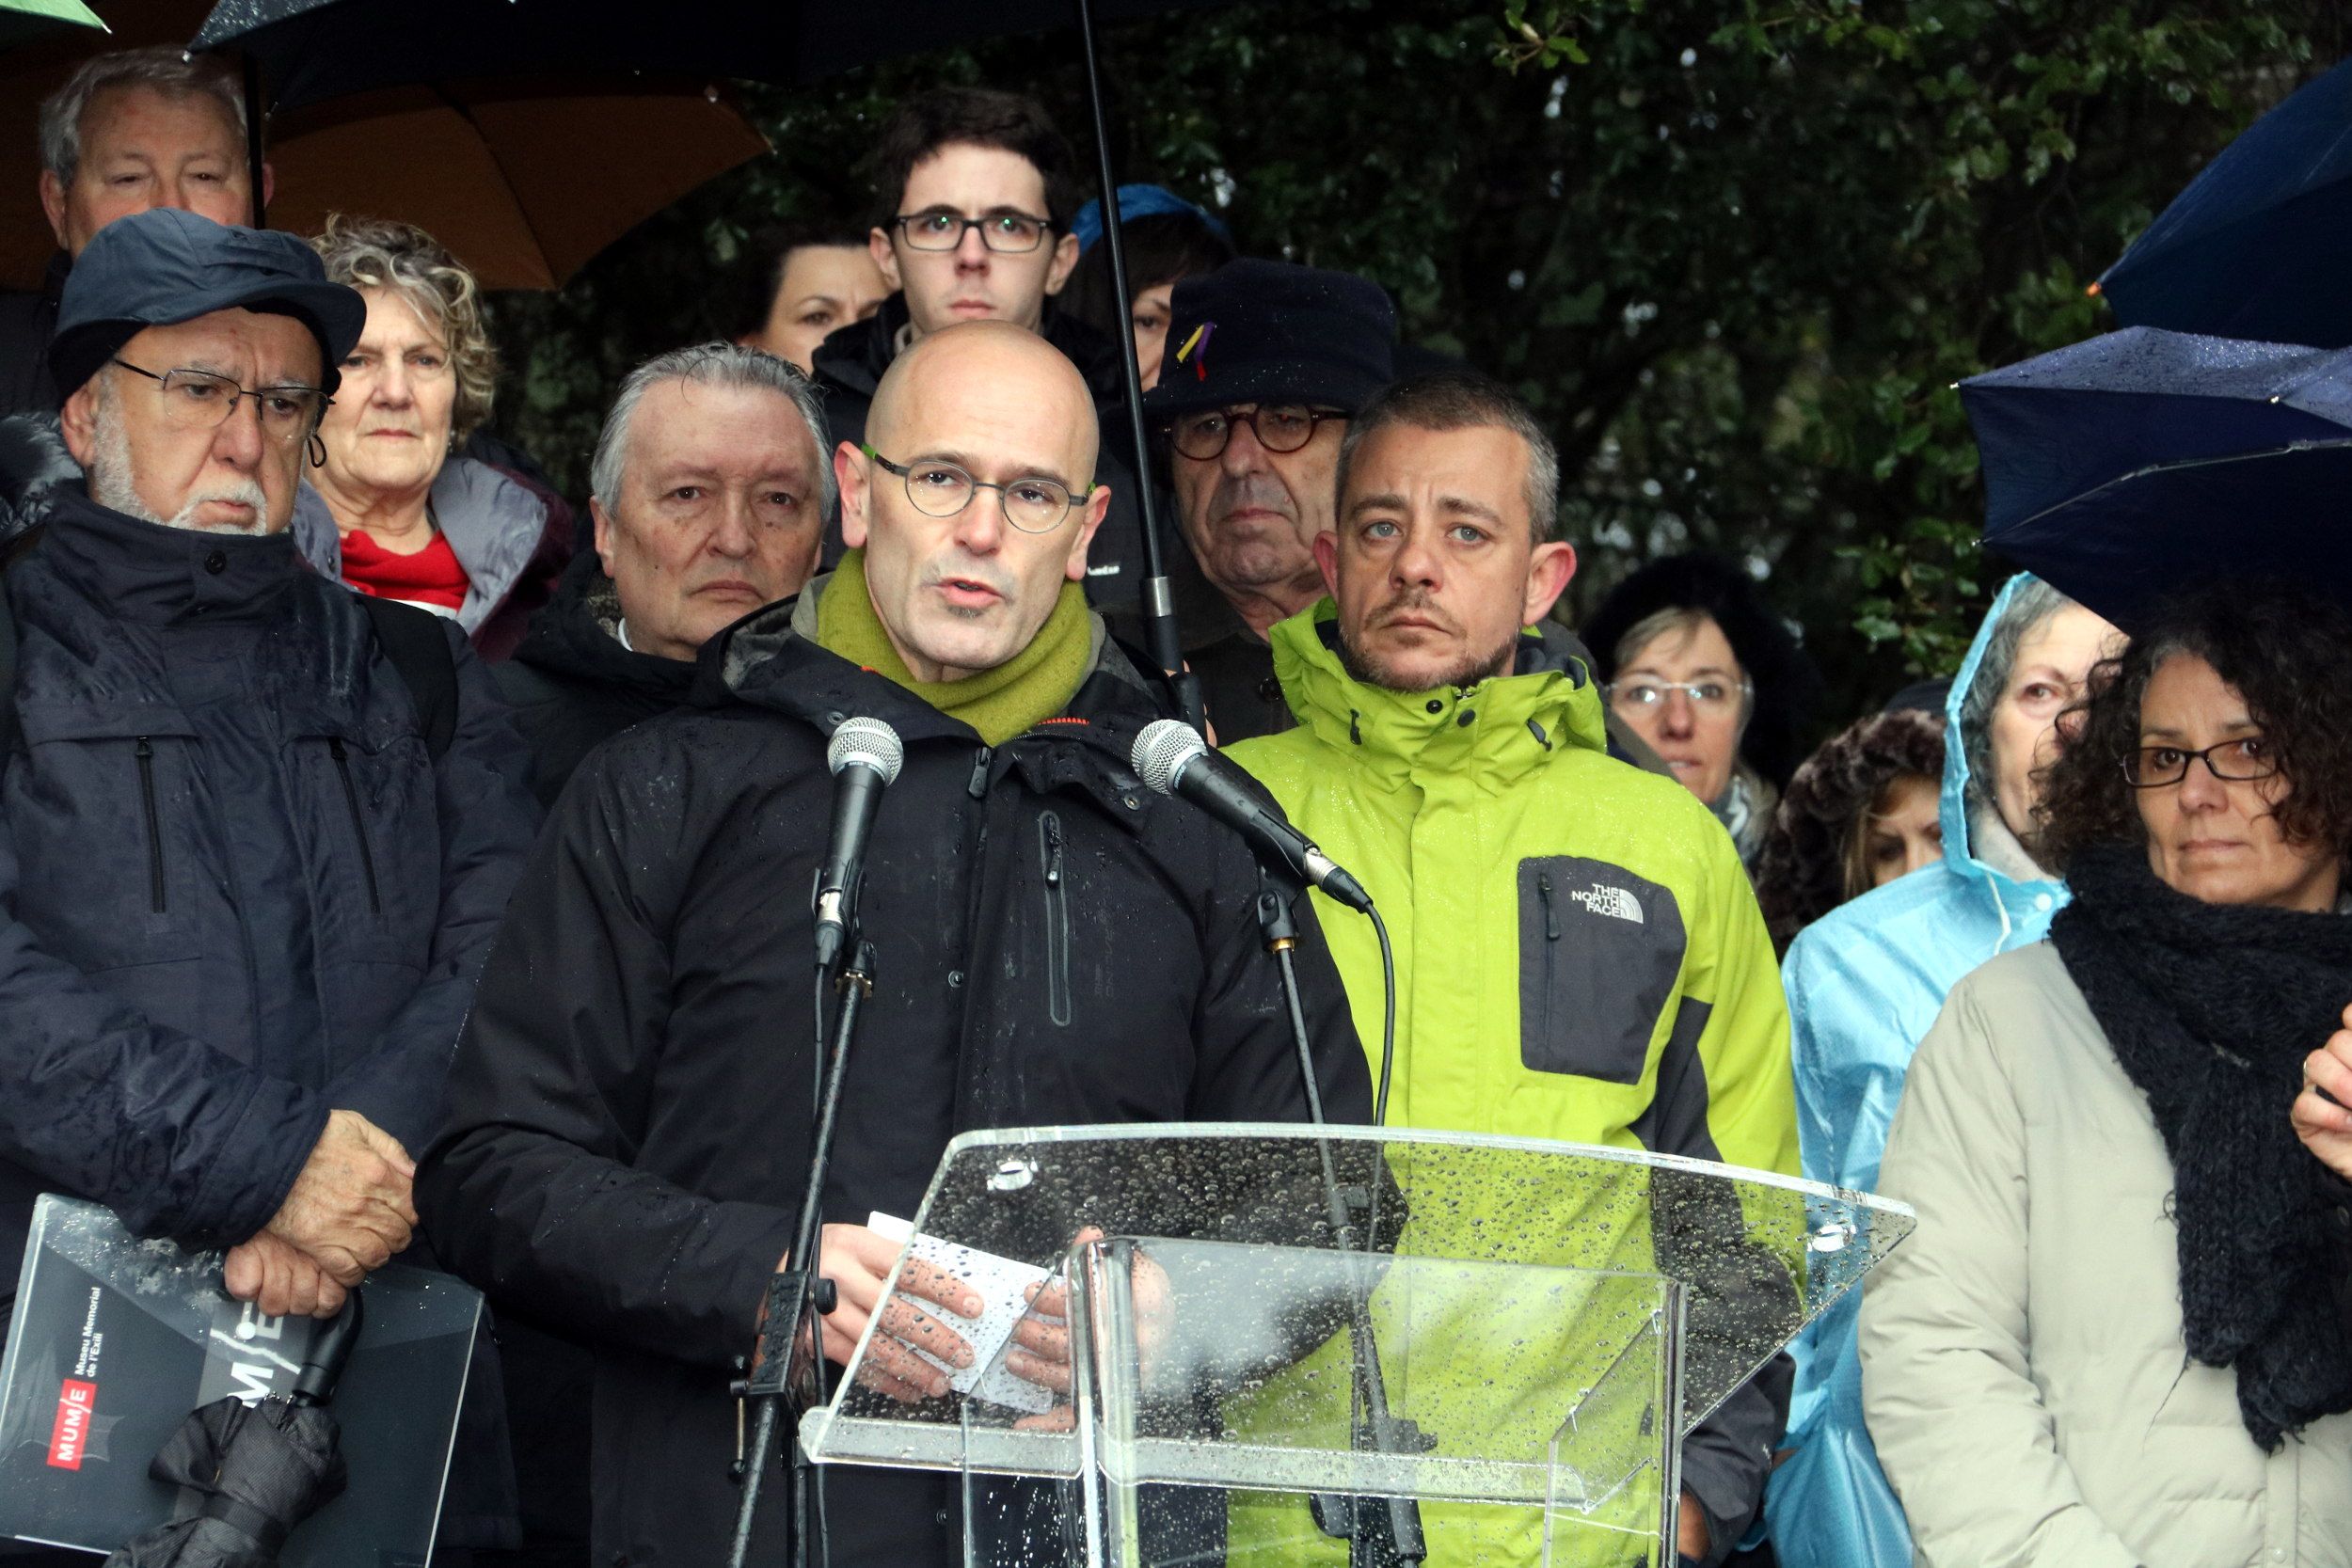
[
  {"x": 254, "y": 835},
  {"x": 631, "y": 1107}
]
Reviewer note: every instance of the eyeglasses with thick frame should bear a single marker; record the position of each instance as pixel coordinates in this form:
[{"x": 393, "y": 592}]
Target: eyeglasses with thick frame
[
  {"x": 1645, "y": 694},
  {"x": 1005, "y": 232},
  {"x": 199, "y": 400},
  {"x": 1279, "y": 427},
  {"x": 2162, "y": 767},
  {"x": 940, "y": 489}
]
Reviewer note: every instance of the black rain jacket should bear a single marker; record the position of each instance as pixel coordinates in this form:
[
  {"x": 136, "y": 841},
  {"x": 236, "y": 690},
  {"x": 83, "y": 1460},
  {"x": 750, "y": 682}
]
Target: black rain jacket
[
  {"x": 572, "y": 685},
  {"x": 627, "y": 1134},
  {"x": 235, "y": 889}
]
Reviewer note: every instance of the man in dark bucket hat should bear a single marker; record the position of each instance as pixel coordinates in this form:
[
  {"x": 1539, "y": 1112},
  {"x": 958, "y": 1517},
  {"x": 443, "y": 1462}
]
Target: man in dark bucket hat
[
  {"x": 255, "y": 833},
  {"x": 1265, "y": 361}
]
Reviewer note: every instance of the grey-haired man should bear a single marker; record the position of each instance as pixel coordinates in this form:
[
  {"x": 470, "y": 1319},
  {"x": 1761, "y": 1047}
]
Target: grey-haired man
[
  {"x": 136, "y": 129},
  {"x": 710, "y": 498}
]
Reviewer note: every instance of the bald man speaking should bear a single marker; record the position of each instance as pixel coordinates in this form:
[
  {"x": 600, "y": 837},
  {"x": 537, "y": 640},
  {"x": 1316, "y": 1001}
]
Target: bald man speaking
[{"x": 631, "y": 1107}]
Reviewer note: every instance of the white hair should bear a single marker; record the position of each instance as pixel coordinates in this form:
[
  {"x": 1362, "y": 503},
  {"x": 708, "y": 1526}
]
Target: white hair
[
  {"x": 162, "y": 69},
  {"x": 709, "y": 365}
]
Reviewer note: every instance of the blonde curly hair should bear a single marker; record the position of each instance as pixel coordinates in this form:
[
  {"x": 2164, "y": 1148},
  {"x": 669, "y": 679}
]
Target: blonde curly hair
[{"x": 378, "y": 253}]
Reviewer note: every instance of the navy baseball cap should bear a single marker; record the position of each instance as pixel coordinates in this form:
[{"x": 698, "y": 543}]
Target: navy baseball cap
[
  {"x": 1256, "y": 331},
  {"x": 165, "y": 266}
]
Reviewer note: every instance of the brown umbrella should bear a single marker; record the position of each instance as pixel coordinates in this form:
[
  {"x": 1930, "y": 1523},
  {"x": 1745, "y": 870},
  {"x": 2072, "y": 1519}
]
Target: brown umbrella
[{"x": 522, "y": 180}]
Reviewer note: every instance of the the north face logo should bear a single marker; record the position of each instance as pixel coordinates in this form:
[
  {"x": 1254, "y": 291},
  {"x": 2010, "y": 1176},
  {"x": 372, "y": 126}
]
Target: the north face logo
[{"x": 1615, "y": 902}]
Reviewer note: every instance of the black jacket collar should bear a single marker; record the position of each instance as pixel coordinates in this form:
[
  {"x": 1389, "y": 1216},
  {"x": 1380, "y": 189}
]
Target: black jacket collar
[
  {"x": 856, "y": 355},
  {"x": 155, "y": 575},
  {"x": 572, "y": 637}
]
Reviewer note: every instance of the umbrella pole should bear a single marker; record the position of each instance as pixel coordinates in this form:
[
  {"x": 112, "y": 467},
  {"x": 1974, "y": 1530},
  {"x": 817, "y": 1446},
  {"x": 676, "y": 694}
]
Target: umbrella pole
[
  {"x": 253, "y": 158},
  {"x": 1159, "y": 602}
]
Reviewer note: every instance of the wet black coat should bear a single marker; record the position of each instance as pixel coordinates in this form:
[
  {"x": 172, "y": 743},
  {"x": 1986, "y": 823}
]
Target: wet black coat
[
  {"x": 849, "y": 365},
  {"x": 238, "y": 890},
  {"x": 27, "y": 320},
  {"x": 572, "y": 685},
  {"x": 628, "y": 1116}
]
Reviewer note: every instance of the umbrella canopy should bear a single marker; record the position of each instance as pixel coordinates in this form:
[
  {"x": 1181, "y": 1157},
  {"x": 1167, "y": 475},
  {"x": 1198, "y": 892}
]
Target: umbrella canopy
[
  {"x": 2138, "y": 463},
  {"x": 494, "y": 170},
  {"x": 2260, "y": 243},
  {"x": 23, "y": 20},
  {"x": 313, "y": 50},
  {"x": 260, "y": 1469}
]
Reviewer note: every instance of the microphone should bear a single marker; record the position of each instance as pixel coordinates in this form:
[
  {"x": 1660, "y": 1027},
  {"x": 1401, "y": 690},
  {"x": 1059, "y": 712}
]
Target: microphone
[
  {"x": 1172, "y": 759},
  {"x": 865, "y": 758}
]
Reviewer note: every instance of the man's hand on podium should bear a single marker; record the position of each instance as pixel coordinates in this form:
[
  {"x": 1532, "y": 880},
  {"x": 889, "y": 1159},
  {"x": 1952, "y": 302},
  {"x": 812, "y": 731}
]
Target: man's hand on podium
[
  {"x": 858, "y": 1261},
  {"x": 1042, "y": 1340}
]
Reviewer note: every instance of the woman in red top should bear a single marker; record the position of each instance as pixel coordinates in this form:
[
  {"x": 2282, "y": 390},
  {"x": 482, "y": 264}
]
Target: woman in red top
[{"x": 391, "y": 510}]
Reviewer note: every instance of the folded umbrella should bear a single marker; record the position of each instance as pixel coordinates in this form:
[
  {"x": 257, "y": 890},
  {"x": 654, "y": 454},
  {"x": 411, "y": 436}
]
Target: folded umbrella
[
  {"x": 2145, "y": 462},
  {"x": 2260, "y": 242},
  {"x": 250, "y": 1473}
]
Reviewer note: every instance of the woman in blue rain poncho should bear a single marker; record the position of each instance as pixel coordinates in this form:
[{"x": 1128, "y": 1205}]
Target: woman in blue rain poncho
[{"x": 1864, "y": 983}]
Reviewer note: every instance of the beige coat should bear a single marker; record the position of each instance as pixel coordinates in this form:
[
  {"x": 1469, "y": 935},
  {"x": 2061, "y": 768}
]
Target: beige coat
[{"x": 2023, "y": 1369}]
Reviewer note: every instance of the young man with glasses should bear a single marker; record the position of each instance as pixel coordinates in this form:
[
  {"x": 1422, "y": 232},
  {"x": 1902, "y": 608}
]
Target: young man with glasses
[
  {"x": 973, "y": 192},
  {"x": 248, "y": 874},
  {"x": 630, "y": 1104}
]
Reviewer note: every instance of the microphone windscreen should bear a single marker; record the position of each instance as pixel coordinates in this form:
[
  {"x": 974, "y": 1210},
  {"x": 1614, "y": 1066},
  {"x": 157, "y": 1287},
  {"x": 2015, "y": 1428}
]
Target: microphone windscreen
[
  {"x": 1162, "y": 751},
  {"x": 868, "y": 742}
]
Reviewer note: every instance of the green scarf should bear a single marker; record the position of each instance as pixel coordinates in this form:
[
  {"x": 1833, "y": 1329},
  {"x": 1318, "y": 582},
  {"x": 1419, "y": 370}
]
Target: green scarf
[{"x": 1034, "y": 684}]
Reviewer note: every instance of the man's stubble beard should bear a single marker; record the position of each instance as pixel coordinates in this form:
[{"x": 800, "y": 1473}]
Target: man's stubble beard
[
  {"x": 1467, "y": 672},
  {"x": 114, "y": 485}
]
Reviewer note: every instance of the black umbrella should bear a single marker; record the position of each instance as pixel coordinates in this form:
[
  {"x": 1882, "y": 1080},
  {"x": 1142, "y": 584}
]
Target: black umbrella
[
  {"x": 313, "y": 50},
  {"x": 2140, "y": 462},
  {"x": 2259, "y": 243},
  {"x": 249, "y": 1473}
]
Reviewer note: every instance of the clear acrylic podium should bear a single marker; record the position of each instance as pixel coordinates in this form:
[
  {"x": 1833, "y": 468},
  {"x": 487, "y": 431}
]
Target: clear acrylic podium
[{"x": 1550, "y": 1320}]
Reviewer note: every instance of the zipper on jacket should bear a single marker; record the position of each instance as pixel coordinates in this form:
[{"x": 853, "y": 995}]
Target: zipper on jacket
[
  {"x": 1056, "y": 919},
  {"x": 358, "y": 828},
  {"x": 1551, "y": 945},
  {"x": 977, "y": 787},
  {"x": 146, "y": 754}
]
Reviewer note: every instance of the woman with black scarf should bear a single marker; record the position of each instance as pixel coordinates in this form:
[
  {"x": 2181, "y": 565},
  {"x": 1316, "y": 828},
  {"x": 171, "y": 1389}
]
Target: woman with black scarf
[{"x": 2118, "y": 1336}]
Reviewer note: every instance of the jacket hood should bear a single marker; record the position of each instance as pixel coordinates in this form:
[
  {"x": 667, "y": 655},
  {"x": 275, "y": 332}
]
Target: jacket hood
[
  {"x": 35, "y": 470},
  {"x": 493, "y": 524},
  {"x": 1959, "y": 830},
  {"x": 1497, "y": 730}
]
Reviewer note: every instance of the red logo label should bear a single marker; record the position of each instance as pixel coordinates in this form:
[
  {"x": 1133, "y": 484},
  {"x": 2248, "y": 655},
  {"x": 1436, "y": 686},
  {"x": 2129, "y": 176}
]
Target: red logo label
[{"x": 70, "y": 1437}]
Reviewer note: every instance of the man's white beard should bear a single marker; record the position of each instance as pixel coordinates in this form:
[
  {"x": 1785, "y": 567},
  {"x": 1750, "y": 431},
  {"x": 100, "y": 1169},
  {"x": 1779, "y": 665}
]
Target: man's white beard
[{"x": 111, "y": 485}]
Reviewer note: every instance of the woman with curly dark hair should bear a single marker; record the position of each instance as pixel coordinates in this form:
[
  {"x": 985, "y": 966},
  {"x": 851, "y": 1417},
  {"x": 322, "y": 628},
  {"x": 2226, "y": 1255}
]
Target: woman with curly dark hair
[
  {"x": 1861, "y": 812},
  {"x": 2124, "y": 1298}
]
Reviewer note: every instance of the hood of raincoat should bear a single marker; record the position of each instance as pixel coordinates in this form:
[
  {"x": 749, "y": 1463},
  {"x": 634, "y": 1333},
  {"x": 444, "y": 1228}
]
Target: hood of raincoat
[{"x": 1864, "y": 982}]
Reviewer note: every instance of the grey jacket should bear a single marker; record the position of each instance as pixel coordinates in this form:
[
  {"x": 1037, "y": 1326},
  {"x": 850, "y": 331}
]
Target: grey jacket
[
  {"x": 2023, "y": 1368},
  {"x": 492, "y": 522}
]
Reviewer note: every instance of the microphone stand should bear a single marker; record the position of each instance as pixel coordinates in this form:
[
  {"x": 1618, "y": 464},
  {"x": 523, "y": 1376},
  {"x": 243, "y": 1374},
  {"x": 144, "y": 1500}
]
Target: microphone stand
[
  {"x": 1389, "y": 1535},
  {"x": 798, "y": 1296}
]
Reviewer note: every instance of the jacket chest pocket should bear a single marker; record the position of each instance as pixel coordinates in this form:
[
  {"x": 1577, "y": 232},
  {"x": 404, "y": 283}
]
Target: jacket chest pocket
[
  {"x": 114, "y": 859},
  {"x": 374, "y": 842},
  {"x": 1600, "y": 950}
]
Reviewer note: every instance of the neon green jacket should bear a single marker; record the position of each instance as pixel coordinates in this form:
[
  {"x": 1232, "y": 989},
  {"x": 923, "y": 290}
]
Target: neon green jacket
[{"x": 1579, "y": 957}]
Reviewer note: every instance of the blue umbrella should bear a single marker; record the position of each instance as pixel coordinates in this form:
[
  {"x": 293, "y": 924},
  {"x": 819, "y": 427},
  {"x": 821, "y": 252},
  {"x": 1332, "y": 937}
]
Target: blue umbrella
[
  {"x": 2145, "y": 462},
  {"x": 2260, "y": 243}
]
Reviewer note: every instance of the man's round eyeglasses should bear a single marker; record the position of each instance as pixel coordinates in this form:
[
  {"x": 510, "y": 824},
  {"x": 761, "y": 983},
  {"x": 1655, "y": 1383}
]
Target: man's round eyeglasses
[
  {"x": 2235, "y": 761},
  {"x": 943, "y": 229},
  {"x": 1645, "y": 696},
  {"x": 199, "y": 400},
  {"x": 1279, "y": 426},
  {"x": 939, "y": 490}
]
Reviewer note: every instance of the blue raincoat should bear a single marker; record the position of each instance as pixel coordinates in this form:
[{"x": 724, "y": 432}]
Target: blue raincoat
[{"x": 1864, "y": 982}]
